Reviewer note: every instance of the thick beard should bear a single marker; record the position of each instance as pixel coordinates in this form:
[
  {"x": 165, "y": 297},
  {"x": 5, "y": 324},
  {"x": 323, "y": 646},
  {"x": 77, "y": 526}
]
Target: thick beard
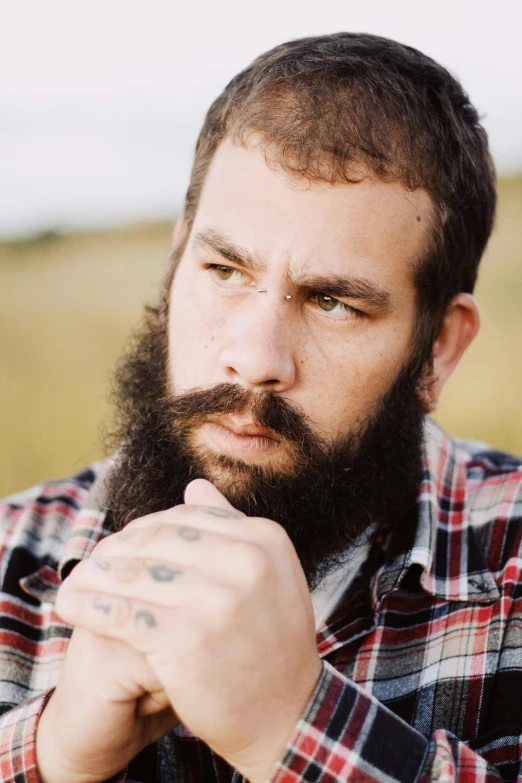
[{"x": 366, "y": 479}]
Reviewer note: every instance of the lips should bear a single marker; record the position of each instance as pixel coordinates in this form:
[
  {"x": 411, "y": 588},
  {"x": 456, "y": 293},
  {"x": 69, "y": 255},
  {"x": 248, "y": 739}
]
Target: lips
[
  {"x": 248, "y": 429},
  {"x": 244, "y": 440}
]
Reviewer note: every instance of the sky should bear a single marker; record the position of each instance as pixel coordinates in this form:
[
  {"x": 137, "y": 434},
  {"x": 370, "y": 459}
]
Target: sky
[{"x": 101, "y": 100}]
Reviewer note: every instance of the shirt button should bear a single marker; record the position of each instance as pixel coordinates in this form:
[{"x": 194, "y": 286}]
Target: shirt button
[{"x": 482, "y": 587}]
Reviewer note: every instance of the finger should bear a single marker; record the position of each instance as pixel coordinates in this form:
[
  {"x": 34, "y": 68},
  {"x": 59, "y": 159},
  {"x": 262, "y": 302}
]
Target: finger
[
  {"x": 188, "y": 545},
  {"x": 160, "y": 724},
  {"x": 213, "y": 519},
  {"x": 152, "y": 703},
  {"x": 201, "y": 492},
  {"x": 173, "y": 582},
  {"x": 115, "y": 617},
  {"x": 160, "y": 582}
]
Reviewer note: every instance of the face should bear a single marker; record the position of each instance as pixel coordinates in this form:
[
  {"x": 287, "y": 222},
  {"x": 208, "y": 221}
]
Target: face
[
  {"x": 333, "y": 325},
  {"x": 301, "y": 403}
]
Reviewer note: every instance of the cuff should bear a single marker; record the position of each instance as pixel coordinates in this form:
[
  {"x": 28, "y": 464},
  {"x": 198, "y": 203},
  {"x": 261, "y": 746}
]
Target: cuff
[
  {"x": 346, "y": 734},
  {"x": 18, "y": 741}
]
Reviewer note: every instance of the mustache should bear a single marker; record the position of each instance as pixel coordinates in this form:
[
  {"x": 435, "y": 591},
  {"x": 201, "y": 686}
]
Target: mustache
[{"x": 269, "y": 410}]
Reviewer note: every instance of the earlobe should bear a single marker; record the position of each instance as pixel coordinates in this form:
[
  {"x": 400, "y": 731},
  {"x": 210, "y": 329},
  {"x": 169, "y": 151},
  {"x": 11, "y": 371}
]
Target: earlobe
[{"x": 461, "y": 324}]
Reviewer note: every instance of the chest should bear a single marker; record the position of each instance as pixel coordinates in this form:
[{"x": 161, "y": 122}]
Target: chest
[{"x": 436, "y": 664}]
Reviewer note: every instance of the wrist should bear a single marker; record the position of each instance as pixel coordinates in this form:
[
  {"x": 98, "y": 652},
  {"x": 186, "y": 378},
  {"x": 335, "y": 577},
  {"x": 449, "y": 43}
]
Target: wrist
[
  {"x": 45, "y": 746},
  {"x": 51, "y": 765},
  {"x": 258, "y": 763}
]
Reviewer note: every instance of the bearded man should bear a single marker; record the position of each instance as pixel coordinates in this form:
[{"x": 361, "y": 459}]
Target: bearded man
[{"x": 287, "y": 571}]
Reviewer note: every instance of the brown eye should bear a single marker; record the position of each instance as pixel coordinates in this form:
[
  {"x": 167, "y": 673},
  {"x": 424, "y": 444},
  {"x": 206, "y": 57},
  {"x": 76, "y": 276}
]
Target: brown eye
[
  {"x": 327, "y": 303},
  {"x": 224, "y": 272},
  {"x": 227, "y": 274}
]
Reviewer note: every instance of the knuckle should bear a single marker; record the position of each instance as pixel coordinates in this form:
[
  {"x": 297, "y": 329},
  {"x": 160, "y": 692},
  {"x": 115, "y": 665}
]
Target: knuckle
[
  {"x": 100, "y": 548},
  {"x": 143, "y": 535},
  {"x": 79, "y": 578},
  {"x": 273, "y": 534},
  {"x": 222, "y": 601},
  {"x": 252, "y": 564},
  {"x": 218, "y": 610},
  {"x": 121, "y": 612},
  {"x": 126, "y": 569}
]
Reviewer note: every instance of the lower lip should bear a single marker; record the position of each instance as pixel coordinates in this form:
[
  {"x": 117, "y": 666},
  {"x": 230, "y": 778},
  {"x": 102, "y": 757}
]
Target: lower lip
[{"x": 226, "y": 441}]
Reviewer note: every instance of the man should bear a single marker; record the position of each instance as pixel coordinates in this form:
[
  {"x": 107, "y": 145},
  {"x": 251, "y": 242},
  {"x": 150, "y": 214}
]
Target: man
[{"x": 287, "y": 571}]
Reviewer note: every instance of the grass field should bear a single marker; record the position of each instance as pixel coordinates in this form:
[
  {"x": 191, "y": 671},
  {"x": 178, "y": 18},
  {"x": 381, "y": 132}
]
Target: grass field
[{"x": 68, "y": 304}]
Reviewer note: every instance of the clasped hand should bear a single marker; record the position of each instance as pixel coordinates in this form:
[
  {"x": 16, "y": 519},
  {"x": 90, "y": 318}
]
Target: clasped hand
[{"x": 218, "y": 606}]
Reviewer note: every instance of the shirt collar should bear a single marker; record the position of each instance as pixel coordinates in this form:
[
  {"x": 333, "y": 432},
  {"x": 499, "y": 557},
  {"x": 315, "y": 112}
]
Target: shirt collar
[
  {"x": 88, "y": 529},
  {"x": 445, "y": 546}
]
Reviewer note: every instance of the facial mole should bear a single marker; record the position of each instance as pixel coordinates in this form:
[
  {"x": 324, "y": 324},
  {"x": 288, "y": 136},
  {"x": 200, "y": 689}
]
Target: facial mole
[{"x": 418, "y": 218}]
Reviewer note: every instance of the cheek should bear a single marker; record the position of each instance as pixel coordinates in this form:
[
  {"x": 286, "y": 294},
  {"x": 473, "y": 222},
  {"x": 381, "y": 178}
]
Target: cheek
[
  {"x": 341, "y": 388},
  {"x": 193, "y": 344}
]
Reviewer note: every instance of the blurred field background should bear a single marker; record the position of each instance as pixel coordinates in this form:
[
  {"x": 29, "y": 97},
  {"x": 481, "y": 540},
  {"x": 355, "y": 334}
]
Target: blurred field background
[{"x": 68, "y": 304}]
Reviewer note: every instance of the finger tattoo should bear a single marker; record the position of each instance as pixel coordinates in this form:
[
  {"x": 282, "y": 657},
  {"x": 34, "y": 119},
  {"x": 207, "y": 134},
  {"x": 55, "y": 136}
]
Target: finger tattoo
[
  {"x": 162, "y": 573},
  {"x": 215, "y": 511},
  {"x": 189, "y": 534},
  {"x": 101, "y": 605},
  {"x": 103, "y": 565},
  {"x": 124, "y": 536},
  {"x": 145, "y": 617}
]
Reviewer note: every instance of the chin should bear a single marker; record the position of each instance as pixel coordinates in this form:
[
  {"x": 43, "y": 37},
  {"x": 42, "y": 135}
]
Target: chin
[{"x": 240, "y": 469}]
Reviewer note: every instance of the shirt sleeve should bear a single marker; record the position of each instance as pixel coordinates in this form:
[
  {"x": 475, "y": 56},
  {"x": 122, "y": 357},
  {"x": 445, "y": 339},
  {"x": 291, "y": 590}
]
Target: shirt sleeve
[
  {"x": 18, "y": 741},
  {"x": 345, "y": 734}
]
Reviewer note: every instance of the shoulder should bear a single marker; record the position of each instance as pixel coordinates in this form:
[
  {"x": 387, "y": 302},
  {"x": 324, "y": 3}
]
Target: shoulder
[
  {"x": 494, "y": 493},
  {"x": 35, "y": 523}
]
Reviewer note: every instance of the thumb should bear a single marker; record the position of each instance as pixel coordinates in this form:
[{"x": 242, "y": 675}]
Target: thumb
[{"x": 201, "y": 492}]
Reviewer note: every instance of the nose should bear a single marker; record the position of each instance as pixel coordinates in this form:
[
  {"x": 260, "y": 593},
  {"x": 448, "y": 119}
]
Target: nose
[{"x": 259, "y": 351}]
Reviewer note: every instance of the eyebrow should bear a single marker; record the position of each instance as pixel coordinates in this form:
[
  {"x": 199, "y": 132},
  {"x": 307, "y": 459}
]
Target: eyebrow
[
  {"x": 208, "y": 238},
  {"x": 347, "y": 288},
  {"x": 358, "y": 288}
]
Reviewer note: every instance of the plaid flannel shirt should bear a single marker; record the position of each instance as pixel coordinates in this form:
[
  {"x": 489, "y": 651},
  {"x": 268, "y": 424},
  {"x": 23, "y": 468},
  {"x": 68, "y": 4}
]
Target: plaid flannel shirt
[{"x": 422, "y": 673}]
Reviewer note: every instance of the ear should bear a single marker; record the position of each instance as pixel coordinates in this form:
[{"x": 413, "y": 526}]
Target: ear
[
  {"x": 178, "y": 229},
  {"x": 461, "y": 324}
]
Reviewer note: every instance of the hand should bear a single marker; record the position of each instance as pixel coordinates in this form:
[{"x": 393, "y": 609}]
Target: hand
[
  {"x": 218, "y": 605},
  {"x": 107, "y": 706}
]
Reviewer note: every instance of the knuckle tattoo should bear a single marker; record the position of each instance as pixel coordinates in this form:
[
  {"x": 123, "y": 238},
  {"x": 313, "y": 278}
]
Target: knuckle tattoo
[
  {"x": 223, "y": 513},
  {"x": 161, "y": 572},
  {"x": 189, "y": 533},
  {"x": 126, "y": 535},
  {"x": 144, "y": 617},
  {"x": 102, "y": 563},
  {"x": 101, "y": 604}
]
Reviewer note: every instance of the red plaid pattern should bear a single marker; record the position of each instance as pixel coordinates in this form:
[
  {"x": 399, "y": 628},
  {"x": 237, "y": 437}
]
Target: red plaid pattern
[{"x": 422, "y": 668}]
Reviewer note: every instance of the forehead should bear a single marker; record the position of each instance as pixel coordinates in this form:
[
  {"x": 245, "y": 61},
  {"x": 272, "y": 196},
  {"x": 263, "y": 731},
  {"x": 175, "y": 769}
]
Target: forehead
[{"x": 381, "y": 226}]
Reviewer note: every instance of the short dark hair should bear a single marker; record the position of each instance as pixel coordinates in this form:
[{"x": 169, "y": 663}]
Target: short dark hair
[{"x": 323, "y": 106}]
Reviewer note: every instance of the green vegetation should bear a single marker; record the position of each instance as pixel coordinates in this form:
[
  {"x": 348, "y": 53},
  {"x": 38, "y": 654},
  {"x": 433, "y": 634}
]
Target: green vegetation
[{"x": 69, "y": 302}]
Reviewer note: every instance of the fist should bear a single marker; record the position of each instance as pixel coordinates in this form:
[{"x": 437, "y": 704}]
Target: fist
[{"x": 218, "y": 606}]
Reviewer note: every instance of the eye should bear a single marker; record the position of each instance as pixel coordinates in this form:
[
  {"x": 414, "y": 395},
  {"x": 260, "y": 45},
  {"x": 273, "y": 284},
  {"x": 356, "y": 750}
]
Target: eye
[
  {"x": 329, "y": 304},
  {"x": 226, "y": 273}
]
